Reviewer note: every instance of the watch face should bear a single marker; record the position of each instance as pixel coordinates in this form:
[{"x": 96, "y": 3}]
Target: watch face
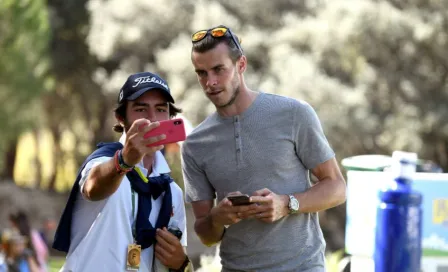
[{"x": 294, "y": 204}]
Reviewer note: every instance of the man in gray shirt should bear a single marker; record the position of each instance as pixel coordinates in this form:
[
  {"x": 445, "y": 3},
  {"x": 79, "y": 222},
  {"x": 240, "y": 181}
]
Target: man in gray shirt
[{"x": 263, "y": 145}]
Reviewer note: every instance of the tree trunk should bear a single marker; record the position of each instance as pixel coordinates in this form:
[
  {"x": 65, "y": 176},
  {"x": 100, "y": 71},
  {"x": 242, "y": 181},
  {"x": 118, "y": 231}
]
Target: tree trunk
[
  {"x": 37, "y": 162},
  {"x": 103, "y": 133},
  {"x": 57, "y": 155},
  {"x": 10, "y": 161},
  {"x": 441, "y": 154}
]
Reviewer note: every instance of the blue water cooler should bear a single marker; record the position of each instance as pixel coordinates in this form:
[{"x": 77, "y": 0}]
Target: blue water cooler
[{"x": 398, "y": 234}]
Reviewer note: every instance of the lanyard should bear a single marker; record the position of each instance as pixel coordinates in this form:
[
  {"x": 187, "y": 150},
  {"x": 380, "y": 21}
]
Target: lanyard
[{"x": 133, "y": 214}]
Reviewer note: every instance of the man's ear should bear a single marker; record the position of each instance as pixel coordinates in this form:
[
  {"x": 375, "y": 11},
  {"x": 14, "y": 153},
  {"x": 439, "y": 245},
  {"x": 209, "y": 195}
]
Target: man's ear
[{"x": 242, "y": 64}]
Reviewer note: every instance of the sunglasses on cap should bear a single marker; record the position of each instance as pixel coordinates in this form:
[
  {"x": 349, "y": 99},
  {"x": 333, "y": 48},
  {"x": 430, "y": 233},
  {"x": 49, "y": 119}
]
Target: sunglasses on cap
[{"x": 216, "y": 32}]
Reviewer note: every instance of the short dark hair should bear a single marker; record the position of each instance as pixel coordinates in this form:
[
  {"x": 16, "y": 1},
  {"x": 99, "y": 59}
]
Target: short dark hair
[
  {"x": 209, "y": 42},
  {"x": 120, "y": 110}
]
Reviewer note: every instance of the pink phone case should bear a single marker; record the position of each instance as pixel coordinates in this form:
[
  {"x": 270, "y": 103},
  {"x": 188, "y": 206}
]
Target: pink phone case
[{"x": 174, "y": 130}]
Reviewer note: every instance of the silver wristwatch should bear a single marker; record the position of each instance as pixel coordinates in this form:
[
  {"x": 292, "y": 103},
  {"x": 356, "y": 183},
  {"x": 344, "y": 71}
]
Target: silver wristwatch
[{"x": 293, "y": 204}]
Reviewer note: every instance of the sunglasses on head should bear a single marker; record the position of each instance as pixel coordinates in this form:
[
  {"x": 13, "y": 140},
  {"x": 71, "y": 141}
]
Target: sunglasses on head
[{"x": 216, "y": 32}]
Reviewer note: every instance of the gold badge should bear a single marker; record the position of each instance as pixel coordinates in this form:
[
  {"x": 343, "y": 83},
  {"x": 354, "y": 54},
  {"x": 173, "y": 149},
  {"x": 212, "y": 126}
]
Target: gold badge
[{"x": 133, "y": 262}]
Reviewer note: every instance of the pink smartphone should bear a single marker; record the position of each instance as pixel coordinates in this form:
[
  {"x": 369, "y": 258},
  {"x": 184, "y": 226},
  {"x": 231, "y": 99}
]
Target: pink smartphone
[{"x": 174, "y": 129}]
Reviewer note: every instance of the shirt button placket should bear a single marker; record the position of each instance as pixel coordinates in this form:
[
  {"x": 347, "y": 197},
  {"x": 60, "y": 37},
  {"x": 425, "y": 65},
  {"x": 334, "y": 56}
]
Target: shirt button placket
[{"x": 238, "y": 140}]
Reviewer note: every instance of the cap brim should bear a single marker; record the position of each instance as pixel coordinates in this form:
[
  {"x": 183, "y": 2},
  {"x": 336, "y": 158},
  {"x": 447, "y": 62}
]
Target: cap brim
[{"x": 144, "y": 90}]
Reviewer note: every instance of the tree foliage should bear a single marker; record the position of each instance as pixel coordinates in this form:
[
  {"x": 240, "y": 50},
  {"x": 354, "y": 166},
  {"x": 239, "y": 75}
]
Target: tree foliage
[
  {"x": 374, "y": 71},
  {"x": 24, "y": 35}
]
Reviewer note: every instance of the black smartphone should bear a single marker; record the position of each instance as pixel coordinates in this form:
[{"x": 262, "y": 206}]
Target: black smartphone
[
  {"x": 239, "y": 200},
  {"x": 176, "y": 232}
]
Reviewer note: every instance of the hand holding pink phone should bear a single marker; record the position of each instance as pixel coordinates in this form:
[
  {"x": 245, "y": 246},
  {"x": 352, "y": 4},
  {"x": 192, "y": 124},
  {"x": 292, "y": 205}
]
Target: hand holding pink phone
[{"x": 174, "y": 130}]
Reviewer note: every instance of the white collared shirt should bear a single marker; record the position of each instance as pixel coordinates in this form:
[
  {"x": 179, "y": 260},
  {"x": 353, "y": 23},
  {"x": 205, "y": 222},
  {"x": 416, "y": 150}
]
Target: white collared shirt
[{"x": 102, "y": 230}]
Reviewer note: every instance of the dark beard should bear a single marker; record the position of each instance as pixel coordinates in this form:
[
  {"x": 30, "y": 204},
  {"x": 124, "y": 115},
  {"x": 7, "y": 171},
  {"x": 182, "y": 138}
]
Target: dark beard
[
  {"x": 232, "y": 99},
  {"x": 235, "y": 93}
]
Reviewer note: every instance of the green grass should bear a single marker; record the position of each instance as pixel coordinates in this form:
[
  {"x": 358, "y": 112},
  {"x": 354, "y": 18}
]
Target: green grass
[
  {"x": 435, "y": 253},
  {"x": 55, "y": 263}
]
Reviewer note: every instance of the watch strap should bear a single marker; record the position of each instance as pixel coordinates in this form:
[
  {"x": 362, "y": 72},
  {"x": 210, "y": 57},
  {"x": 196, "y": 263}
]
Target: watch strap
[
  {"x": 183, "y": 267},
  {"x": 121, "y": 161},
  {"x": 118, "y": 167}
]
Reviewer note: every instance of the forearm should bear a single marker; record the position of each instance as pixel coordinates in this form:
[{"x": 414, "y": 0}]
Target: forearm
[
  {"x": 34, "y": 267},
  {"x": 324, "y": 195},
  {"x": 209, "y": 232},
  {"x": 103, "y": 180}
]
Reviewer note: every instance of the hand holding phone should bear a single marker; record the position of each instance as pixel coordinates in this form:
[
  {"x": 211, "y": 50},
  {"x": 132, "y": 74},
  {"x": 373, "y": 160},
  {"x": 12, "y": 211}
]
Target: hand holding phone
[
  {"x": 173, "y": 227},
  {"x": 174, "y": 130},
  {"x": 239, "y": 200}
]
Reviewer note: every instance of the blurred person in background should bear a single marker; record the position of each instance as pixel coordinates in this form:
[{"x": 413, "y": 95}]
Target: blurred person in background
[
  {"x": 47, "y": 230},
  {"x": 263, "y": 145},
  {"x": 124, "y": 199},
  {"x": 18, "y": 258},
  {"x": 34, "y": 241},
  {"x": 3, "y": 265}
]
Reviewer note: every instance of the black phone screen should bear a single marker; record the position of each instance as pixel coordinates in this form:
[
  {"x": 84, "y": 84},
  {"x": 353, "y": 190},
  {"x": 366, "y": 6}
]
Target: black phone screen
[{"x": 239, "y": 200}]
